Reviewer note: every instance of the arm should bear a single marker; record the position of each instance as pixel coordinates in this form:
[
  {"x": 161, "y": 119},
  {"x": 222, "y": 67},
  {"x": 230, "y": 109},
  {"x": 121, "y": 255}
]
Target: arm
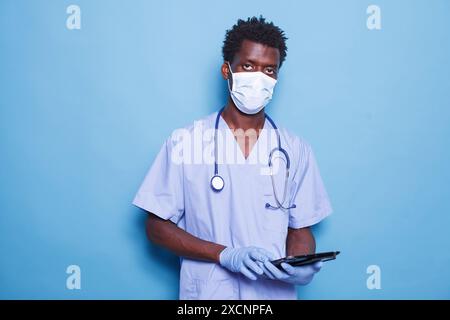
[
  {"x": 300, "y": 241},
  {"x": 168, "y": 235}
]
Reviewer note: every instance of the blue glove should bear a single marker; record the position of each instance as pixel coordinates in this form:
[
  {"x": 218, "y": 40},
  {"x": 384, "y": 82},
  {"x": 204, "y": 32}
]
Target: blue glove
[
  {"x": 244, "y": 260},
  {"x": 301, "y": 275}
]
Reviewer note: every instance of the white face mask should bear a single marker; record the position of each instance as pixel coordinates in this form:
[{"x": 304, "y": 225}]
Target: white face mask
[{"x": 251, "y": 91}]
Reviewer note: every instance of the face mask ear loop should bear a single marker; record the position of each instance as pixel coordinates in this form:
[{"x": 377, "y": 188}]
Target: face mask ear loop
[{"x": 228, "y": 80}]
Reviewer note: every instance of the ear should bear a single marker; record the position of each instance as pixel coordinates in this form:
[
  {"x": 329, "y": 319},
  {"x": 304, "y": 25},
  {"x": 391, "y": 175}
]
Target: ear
[{"x": 225, "y": 70}]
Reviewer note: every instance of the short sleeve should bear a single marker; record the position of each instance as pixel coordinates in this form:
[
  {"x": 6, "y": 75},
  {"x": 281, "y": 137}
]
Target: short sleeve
[
  {"x": 161, "y": 192},
  {"x": 308, "y": 192}
]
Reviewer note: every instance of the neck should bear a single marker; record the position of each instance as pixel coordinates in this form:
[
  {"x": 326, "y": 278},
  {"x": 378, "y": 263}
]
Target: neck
[{"x": 239, "y": 120}]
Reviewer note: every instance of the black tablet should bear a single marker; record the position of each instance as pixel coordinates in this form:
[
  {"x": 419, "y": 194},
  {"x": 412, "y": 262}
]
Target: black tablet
[{"x": 306, "y": 259}]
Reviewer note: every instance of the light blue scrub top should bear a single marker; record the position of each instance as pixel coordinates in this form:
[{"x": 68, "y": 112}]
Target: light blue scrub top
[{"x": 237, "y": 215}]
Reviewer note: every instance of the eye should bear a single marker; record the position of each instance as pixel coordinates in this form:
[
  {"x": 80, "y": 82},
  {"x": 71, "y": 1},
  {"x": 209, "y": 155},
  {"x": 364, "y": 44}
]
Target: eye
[
  {"x": 271, "y": 71},
  {"x": 247, "y": 67}
]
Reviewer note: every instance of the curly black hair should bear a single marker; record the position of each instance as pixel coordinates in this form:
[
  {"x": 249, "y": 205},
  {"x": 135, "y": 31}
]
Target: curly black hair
[{"x": 257, "y": 30}]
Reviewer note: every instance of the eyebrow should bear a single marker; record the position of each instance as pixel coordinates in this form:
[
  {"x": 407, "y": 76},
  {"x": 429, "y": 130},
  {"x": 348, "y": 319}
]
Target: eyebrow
[{"x": 268, "y": 65}]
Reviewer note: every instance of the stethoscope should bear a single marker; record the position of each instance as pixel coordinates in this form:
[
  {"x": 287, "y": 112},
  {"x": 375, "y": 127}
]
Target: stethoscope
[{"x": 217, "y": 182}]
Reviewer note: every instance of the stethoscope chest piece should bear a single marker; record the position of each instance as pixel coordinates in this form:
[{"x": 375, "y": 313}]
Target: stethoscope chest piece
[{"x": 217, "y": 183}]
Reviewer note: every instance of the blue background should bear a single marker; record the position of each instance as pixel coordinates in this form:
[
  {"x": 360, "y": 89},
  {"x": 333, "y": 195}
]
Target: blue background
[{"x": 84, "y": 112}]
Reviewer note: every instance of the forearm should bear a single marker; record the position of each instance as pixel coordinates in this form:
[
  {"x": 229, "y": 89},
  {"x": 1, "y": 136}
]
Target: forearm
[
  {"x": 168, "y": 235},
  {"x": 299, "y": 242}
]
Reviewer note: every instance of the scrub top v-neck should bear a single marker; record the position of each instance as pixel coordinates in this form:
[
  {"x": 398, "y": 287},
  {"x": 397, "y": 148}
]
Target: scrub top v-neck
[{"x": 224, "y": 126}]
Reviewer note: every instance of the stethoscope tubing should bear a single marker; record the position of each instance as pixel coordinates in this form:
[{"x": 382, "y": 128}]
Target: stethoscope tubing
[{"x": 217, "y": 177}]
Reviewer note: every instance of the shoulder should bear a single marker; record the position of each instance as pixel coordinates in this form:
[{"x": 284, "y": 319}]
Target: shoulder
[
  {"x": 298, "y": 148},
  {"x": 296, "y": 144},
  {"x": 205, "y": 122},
  {"x": 192, "y": 129}
]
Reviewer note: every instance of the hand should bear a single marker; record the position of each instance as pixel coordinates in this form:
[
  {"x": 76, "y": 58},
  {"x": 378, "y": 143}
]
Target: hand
[
  {"x": 244, "y": 260},
  {"x": 301, "y": 275}
]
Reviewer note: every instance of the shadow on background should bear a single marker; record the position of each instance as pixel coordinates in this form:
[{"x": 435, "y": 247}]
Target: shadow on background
[
  {"x": 154, "y": 257},
  {"x": 318, "y": 231}
]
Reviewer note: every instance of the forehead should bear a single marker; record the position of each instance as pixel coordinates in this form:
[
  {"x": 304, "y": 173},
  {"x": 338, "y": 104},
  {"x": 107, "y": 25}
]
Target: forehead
[{"x": 258, "y": 53}]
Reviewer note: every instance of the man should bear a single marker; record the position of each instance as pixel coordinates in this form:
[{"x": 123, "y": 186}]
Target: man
[{"x": 227, "y": 218}]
